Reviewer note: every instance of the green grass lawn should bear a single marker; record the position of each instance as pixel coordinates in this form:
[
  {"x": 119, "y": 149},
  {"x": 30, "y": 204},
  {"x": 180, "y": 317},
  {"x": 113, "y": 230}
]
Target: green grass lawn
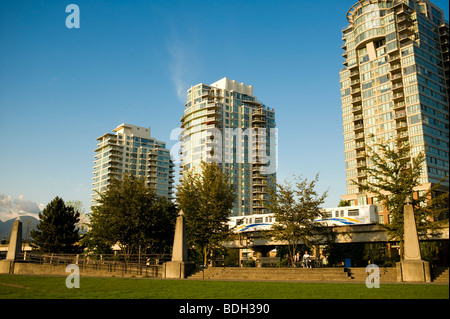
[{"x": 43, "y": 287}]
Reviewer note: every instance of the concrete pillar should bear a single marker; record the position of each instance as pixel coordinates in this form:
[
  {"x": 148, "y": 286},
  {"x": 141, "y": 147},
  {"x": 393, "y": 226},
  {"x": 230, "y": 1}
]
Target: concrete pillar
[
  {"x": 180, "y": 251},
  {"x": 15, "y": 241},
  {"x": 412, "y": 268},
  {"x": 179, "y": 267},
  {"x": 14, "y": 249}
]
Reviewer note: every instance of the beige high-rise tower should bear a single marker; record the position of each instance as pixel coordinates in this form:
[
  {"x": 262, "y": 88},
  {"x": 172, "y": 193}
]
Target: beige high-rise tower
[
  {"x": 223, "y": 122},
  {"x": 131, "y": 150},
  {"x": 395, "y": 85}
]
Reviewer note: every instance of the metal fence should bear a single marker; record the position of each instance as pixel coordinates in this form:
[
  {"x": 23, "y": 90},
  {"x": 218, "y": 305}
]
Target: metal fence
[{"x": 143, "y": 265}]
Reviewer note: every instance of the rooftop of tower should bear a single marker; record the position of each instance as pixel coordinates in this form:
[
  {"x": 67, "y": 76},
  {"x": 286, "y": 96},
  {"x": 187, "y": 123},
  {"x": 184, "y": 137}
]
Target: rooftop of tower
[{"x": 233, "y": 85}]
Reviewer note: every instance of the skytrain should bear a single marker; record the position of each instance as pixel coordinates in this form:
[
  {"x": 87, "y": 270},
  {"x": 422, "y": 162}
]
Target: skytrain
[{"x": 337, "y": 216}]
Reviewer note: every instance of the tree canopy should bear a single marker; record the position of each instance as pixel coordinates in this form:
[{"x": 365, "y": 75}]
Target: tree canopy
[
  {"x": 131, "y": 215},
  {"x": 393, "y": 176},
  {"x": 57, "y": 231},
  {"x": 295, "y": 209},
  {"x": 206, "y": 200}
]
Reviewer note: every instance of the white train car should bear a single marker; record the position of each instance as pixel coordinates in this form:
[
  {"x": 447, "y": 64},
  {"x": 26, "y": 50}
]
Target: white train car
[
  {"x": 256, "y": 222},
  {"x": 350, "y": 215},
  {"x": 338, "y": 216}
]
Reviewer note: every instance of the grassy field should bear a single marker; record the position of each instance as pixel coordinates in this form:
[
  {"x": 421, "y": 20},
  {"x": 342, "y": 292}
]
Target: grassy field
[{"x": 43, "y": 287}]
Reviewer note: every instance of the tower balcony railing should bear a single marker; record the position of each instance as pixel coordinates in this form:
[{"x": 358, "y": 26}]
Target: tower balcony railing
[
  {"x": 398, "y": 95},
  {"x": 399, "y": 105},
  {"x": 397, "y": 86},
  {"x": 400, "y": 115},
  {"x": 356, "y": 109}
]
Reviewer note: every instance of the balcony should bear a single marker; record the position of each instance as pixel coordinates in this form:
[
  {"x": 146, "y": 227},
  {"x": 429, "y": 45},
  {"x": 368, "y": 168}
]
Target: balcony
[
  {"x": 396, "y": 77},
  {"x": 213, "y": 105},
  {"x": 401, "y": 125},
  {"x": 356, "y": 99},
  {"x": 397, "y": 96},
  {"x": 356, "y": 91},
  {"x": 406, "y": 37},
  {"x": 399, "y": 105},
  {"x": 359, "y": 136},
  {"x": 400, "y": 115},
  {"x": 397, "y": 86},
  {"x": 393, "y": 58},
  {"x": 354, "y": 73},
  {"x": 357, "y": 109},
  {"x": 360, "y": 154},
  {"x": 395, "y": 67},
  {"x": 259, "y": 190},
  {"x": 360, "y": 145}
]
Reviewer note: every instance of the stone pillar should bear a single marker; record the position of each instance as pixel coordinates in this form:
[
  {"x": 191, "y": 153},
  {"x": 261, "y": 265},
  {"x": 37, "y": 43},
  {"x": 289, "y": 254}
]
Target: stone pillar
[
  {"x": 15, "y": 241},
  {"x": 14, "y": 249},
  {"x": 412, "y": 268},
  {"x": 179, "y": 267}
]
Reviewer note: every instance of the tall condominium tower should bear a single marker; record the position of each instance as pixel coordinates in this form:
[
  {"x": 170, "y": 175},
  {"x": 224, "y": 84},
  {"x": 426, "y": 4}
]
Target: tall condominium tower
[
  {"x": 395, "y": 84},
  {"x": 131, "y": 150},
  {"x": 223, "y": 122}
]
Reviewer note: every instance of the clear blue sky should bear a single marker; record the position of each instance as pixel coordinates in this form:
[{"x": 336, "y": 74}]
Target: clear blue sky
[{"x": 132, "y": 61}]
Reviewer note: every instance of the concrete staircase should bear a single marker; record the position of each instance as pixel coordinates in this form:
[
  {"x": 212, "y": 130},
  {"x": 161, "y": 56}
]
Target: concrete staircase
[
  {"x": 280, "y": 274},
  {"x": 440, "y": 274},
  {"x": 387, "y": 274}
]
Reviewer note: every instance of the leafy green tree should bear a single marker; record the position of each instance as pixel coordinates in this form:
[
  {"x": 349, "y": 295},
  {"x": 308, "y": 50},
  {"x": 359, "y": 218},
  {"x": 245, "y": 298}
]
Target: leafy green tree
[
  {"x": 131, "y": 215},
  {"x": 57, "y": 231},
  {"x": 393, "y": 176},
  {"x": 295, "y": 210},
  {"x": 206, "y": 200},
  {"x": 343, "y": 203}
]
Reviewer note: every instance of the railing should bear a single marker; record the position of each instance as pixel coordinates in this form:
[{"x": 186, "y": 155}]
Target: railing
[{"x": 142, "y": 264}]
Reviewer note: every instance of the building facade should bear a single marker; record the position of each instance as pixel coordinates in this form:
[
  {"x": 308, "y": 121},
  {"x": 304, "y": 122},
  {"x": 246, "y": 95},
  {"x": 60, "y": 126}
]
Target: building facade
[
  {"x": 223, "y": 122},
  {"x": 131, "y": 150},
  {"x": 395, "y": 85}
]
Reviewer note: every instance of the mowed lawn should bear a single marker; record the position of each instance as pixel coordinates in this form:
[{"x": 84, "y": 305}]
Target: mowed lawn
[{"x": 46, "y": 287}]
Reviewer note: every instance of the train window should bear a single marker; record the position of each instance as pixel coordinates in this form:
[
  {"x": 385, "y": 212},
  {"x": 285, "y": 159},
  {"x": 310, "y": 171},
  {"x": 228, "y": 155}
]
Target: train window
[
  {"x": 336, "y": 213},
  {"x": 342, "y": 213},
  {"x": 353, "y": 212},
  {"x": 258, "y": 220},
  {"x": 239, "y": 221},
  {"x": 328, "y": 214}
]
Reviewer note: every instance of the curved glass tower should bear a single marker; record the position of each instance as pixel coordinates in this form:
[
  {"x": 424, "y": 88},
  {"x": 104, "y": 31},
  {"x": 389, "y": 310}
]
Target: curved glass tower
[{"x": 395, "y": 84}]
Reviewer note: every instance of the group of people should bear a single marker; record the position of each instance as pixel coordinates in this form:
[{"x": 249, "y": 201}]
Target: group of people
[{"x": 306, "y": 260}]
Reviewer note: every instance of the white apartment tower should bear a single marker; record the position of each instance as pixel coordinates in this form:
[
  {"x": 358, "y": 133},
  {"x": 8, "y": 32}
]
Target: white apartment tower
[
  {"x": 131, "y": 150},
  {"x": 223, "y": 122}
]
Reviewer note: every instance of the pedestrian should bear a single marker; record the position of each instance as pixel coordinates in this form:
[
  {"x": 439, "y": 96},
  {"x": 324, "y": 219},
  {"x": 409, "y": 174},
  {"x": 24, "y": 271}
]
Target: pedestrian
[{"x": 306, "y": 260}]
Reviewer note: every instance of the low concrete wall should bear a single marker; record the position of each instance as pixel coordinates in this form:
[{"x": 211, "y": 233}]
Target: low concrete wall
[{"x": 24, "y": 268}]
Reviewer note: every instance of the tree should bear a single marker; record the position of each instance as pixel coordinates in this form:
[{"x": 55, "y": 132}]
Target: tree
[
  {"x": 57, "y": 232},
  {"x": 393, "y": 174},
  {"x": 343, "y": 203},
  {"x": 206, "y": 200},
  {"x": 131, "y": 215},
  {"x": 295, "y": 210}
]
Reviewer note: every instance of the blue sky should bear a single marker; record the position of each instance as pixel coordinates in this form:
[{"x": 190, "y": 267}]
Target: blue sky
[{"x": 132, "y": 62}]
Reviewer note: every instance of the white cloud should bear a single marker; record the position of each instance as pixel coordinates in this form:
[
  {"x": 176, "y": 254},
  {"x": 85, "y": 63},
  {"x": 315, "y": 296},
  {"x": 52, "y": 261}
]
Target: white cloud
[
  {"x": 11, "y": 208},
  {"x": 178, "y": 69},
  {"x": 183, "y": 59}
]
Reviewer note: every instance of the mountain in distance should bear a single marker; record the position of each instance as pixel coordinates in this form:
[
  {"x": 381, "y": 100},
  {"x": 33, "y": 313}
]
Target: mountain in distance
[{"x": 28, "y": 223}]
